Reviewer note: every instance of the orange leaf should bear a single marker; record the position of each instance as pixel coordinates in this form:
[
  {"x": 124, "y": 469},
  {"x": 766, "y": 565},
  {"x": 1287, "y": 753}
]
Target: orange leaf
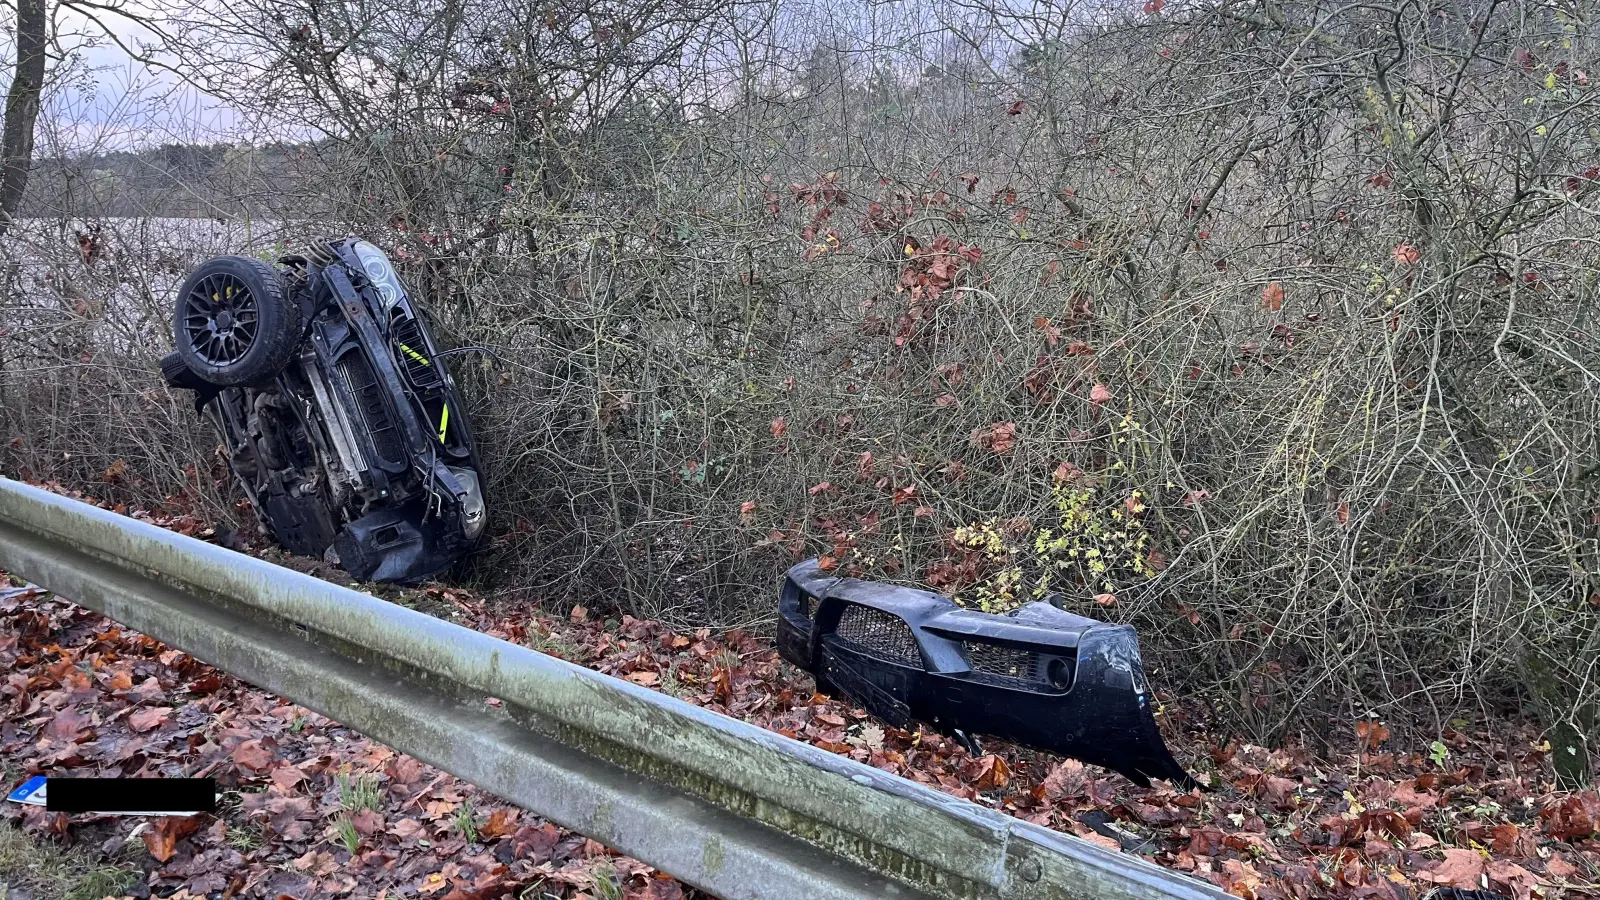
[
  {"x": 1272, "y": 296},
  {"x": 747, "y": 512},
  {"x": 501, "y": 823},
  {"x": 827, "y": 564},
  {"x": 163, "y": 835},
  {"x": 1405, "y": 254},
  {"x": 780, "y": 426},
  {"x": 1106, "y": 599},
  {"x": 1372, "y": 733},
  {"x": 993, "y": 774}
]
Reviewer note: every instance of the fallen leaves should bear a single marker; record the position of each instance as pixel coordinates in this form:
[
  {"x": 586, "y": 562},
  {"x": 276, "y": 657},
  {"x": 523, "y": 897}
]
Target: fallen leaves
[{"x": 1275, "y": 822}]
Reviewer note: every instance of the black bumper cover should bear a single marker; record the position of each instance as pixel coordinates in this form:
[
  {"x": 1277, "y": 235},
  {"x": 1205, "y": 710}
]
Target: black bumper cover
[{"x": 1039, "y": 676}]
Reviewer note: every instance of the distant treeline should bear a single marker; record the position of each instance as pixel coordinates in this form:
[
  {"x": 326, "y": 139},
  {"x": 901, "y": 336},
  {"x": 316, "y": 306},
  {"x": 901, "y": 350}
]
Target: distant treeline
[{"x": 171, "y": 180}]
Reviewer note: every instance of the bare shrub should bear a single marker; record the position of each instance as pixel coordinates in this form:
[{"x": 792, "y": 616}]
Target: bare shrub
[{"x": 1287, "y": 311}]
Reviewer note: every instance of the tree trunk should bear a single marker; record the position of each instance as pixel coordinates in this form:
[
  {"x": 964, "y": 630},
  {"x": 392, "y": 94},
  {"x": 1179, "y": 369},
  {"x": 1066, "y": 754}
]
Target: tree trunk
[{"x": 22, "y": 108}]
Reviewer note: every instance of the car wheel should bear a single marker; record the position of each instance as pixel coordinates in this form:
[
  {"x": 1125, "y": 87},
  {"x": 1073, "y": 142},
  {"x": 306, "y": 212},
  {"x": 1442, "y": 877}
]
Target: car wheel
[{"x": 235, "y": 323}]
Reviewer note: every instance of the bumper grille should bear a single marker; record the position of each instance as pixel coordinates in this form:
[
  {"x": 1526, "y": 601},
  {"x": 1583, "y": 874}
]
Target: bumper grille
[
  {"x": 411, "y": 352},
  {"x": 1006, "y": 662},
  {"x": 879, "y": 633},
  {"x": 363, "y": 384}
]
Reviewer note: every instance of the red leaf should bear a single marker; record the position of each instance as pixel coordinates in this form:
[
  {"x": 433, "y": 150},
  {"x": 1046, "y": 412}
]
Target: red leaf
[
  {"x": 1152, "y": 7},
  {"x": 820, "y": 487},
  {"x": 1099, "y": 394},
  {"x": 1406, "y": 254},
  {"x": 1017, "y": 108},
  {"x": 779, "y": 427}
]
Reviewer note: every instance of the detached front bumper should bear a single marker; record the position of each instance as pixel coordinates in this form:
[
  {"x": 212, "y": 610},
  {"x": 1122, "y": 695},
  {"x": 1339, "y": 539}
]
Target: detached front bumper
[{"x": 1039, "y": 676}]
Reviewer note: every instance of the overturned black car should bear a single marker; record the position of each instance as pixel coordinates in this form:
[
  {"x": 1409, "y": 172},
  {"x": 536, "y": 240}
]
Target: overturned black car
[
  {"x": 337, "y": 414},
  {"x": 1038, "y": 676}
]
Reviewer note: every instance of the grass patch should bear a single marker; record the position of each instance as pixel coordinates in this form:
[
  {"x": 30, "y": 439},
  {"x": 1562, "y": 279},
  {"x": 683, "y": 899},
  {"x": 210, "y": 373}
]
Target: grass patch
[{"x": 38, "y": 869}]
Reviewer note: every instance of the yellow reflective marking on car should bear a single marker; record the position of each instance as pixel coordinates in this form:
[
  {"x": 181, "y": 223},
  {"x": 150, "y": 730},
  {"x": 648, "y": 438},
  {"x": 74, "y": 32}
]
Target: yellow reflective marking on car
[
  {"x": 415, "y": 355},
  {"x": 444, "y": 420}
]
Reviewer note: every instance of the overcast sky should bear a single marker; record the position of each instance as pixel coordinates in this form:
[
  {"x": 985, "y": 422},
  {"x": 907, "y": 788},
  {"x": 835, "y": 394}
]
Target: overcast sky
[{"x": 111, "y": 101}]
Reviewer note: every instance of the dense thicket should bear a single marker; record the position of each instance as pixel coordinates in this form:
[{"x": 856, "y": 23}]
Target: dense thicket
[{"x": 1266, "y": 326}]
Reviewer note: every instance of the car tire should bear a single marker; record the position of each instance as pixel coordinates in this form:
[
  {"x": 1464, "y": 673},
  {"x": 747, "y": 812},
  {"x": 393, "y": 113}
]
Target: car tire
[{"x": 234, "y": 322}]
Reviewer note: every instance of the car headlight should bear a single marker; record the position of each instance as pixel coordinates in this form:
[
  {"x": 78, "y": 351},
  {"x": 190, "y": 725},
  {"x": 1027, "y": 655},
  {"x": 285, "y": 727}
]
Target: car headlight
[
  {"x": 381, "y": 272},
  {"x": 474, "y": 515}
]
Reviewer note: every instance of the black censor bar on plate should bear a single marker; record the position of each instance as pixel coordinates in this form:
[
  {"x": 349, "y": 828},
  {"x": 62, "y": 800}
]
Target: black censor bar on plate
[{"x": 153, "y": 796}]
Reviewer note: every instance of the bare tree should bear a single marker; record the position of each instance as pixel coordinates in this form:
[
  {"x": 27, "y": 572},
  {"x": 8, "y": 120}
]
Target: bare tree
[{"x": 22, "y": 107}]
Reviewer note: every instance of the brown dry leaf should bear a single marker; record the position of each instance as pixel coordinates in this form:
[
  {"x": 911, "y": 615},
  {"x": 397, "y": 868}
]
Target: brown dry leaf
[
  {"x": 148, "y": 718},
  {"x": 646, "y": 679},
  {"x": 163, "y": 835},
  {"x": 1507, "y": 874},
  {"x": 993, "y": 774},
  {"x": 1559, "y": 868},
  {"x": 255, "y": 755},
  {"x": 1461, "y": 869},
  {"x": 69, "y": 726},
  {"x": 286, "y": 777},
  {"x": 780, "y": 427},
  {"x": 501, "y": 823}
]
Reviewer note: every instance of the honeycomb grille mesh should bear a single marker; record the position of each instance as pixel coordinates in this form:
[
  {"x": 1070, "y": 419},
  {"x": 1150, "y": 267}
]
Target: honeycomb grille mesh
[
  {"x": 879, "y": 633},
  {"x": 1007, "y": 662}
]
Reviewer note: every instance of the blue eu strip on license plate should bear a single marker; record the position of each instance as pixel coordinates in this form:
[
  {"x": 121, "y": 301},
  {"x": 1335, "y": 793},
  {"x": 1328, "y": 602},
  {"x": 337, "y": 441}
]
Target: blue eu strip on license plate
[{"x": 30, "y": 792}]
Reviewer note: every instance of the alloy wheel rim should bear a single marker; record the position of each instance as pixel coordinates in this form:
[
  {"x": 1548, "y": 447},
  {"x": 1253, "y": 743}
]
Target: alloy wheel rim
[{"x": 220, "y": 319}]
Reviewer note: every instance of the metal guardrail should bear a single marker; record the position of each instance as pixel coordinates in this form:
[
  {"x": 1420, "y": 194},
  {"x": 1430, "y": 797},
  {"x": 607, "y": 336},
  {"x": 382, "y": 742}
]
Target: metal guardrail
[{"x": 738, "y": 811}]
